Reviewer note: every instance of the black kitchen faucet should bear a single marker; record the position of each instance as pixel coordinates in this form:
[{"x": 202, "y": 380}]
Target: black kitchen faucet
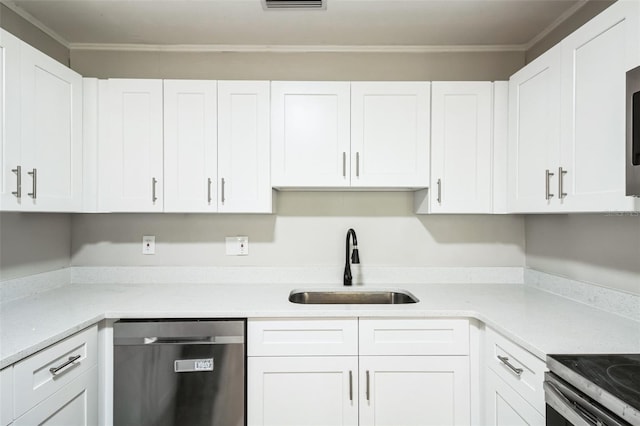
[{"x": 355, "y": 258}]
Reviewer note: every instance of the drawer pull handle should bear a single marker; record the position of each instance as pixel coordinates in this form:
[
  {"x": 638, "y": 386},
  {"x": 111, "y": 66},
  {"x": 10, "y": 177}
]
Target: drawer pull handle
[
  {"x": 350, "y": 385},
  {"x": 505, "y": 361},
  {"x": 71, "y": 360}
]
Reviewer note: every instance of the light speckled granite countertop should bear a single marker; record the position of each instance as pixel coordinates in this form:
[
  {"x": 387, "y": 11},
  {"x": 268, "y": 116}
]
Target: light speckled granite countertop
[{"x": 539, "y": 321}]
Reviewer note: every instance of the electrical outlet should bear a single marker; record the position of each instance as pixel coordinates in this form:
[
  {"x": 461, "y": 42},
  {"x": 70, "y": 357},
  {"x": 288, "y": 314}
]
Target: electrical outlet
[
  {"x": 237, "y": 246},
  {"x": 149, "y": 244}
]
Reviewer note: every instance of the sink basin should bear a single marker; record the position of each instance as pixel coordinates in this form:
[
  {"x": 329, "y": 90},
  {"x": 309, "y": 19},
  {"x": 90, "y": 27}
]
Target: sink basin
[{"x": 348, "y": 297}]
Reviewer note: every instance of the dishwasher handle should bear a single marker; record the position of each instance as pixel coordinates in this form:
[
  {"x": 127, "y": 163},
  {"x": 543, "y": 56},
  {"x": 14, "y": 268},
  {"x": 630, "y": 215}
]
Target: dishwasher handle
[{"x": 195, "y": 340}]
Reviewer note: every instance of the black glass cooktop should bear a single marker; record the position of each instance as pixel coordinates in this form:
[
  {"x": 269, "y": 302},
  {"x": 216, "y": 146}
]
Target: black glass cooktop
[{"x": 618, "y": 375}]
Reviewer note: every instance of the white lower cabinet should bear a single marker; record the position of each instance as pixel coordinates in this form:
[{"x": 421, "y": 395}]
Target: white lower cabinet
[
  {"x": 505, "y": 406},
  {"x": 6, "y": 396},
  {"x": 74, "y": 405},
  {"x": 414, "y": 390},
  {"x": 289, "y": 385},
  {"x": 55, "y": 386},
  {"x": 513, "y": 389},
  {"x": 299, "y": 391}
]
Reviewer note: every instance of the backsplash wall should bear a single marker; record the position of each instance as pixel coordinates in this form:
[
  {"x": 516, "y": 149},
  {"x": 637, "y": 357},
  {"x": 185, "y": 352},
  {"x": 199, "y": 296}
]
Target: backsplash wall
[
  {"x": 308, "y": 230},
  {"x": 602, "y": 249}
]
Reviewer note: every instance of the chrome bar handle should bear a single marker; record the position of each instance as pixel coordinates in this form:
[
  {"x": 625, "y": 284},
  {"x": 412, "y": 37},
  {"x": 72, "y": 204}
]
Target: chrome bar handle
[
  {"x": 357, "y": 164},
  {"x": 154, "y": 181},
  {"x": 209, "y": 190},
  {"x": 34, "y": 185},
  {"x": 344, "y": 164},
  {"x": 71, "y": 360},
  {"x": 561, "y": 193},
  {"x": 350, "y": 385},
  {"x": 368, "y": 393},
  {"x": 222, "y": 190},
  {"x": 547, "y": 183},
  {"x": 18, "y": 172},
  {"x": 505, "y": 361},
  {"x": 439, "y": 191}
]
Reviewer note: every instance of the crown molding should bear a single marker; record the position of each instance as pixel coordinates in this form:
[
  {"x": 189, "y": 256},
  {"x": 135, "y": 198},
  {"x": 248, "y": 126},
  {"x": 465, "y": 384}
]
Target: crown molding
[
  {"x": 555, "y": 24},
  {"x": 293, "y": 48},
  {"x": 35, "y": 22},
  {"x": 233, "y": 48}
]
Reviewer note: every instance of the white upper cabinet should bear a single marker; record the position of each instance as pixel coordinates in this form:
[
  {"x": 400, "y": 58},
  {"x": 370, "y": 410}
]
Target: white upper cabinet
[
  {"x": 310, "y": 126},
  {"x": 51, "y": 123},
  {"x": 534, "y": 133},
  {"x": 190, "y": 146},
  {"x": 359, "y": 134},
  {"x": 567, "y": 119},
  {"x": 461, "y": 147},
  {"x": 10, "y": 161},
  {"x": 390, "y": 134},
  {"x": 42, "y": 137},
  {"x": 595, "y": 59},
  {"x": 243, "y": 147},
  {"x": 131, "y": 158}
]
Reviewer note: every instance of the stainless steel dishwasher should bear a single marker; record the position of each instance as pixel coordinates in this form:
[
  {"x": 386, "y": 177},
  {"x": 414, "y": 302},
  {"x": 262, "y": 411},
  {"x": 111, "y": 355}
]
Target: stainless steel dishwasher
[{"x": 179, "y": 373}]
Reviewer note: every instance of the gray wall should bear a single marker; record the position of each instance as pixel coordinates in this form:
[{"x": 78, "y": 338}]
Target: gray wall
[
  {"x": 309, "y": 230},
  {"x": 298, "y": 66},
  {"x": 28, "y": 33},
  {"x": 599, "y": 248},
  {"x": 584, "y": 14},
  {"x": 32, "y": 243}
]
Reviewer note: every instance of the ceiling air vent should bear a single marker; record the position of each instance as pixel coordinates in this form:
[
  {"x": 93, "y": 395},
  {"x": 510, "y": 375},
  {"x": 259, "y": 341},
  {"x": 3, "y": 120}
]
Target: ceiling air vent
[{"x": 294, "y": 4}]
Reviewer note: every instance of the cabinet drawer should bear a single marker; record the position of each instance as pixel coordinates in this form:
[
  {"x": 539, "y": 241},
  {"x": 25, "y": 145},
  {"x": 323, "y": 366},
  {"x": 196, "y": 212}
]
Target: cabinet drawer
[
  {"x": 287, "y": 337},
  {"x": 414, "y": 336},
  {"x": 33, "y": 379},
  {"x": 6, "y": 396},
  {"x": 528, "y": 383},
  {"x": 505, "y": 407},
  {"x": 75, "y": 404}
]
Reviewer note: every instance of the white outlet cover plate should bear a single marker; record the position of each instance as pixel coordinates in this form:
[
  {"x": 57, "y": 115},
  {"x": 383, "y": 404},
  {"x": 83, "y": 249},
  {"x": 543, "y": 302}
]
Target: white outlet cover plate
[
  {"x": 237, "y": 246},
  {"x": 148, "y": 244}
]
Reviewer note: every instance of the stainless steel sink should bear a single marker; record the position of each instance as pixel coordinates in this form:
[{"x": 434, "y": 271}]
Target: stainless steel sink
[{"x": 348, "y": 297}]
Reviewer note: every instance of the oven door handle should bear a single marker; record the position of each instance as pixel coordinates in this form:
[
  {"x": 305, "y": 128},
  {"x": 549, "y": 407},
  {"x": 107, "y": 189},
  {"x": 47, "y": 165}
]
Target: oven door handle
[{"x": 575, "y": 409}]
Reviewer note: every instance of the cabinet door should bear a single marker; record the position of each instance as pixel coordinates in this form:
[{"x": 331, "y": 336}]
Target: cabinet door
[
  {"x": 534, "y": 133},
  {"x": 461, "y": 147},
  {"x": 75, "y": 404},
  {"x": 301, "y": 391},
  {"x": 130, "y": 151},
  {"x": 243, "y": 147},
  {"x": 390, "y": 134},
  {"x": 6, "y": 396},
  {"x": 190, "y": 146},
  {"x": 310, "y": 126},
  {"x": 11, "y": 195},
  {"x": 414, "y": 390},
  {"x": 51, "y": 133},
  {"x": 505, "y": 407},
  {"x": 595, "y": 60}
]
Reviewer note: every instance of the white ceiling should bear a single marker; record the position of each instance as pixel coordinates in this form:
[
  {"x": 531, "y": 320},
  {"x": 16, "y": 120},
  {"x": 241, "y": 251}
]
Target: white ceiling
[{"x": 382, "y": 23}]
